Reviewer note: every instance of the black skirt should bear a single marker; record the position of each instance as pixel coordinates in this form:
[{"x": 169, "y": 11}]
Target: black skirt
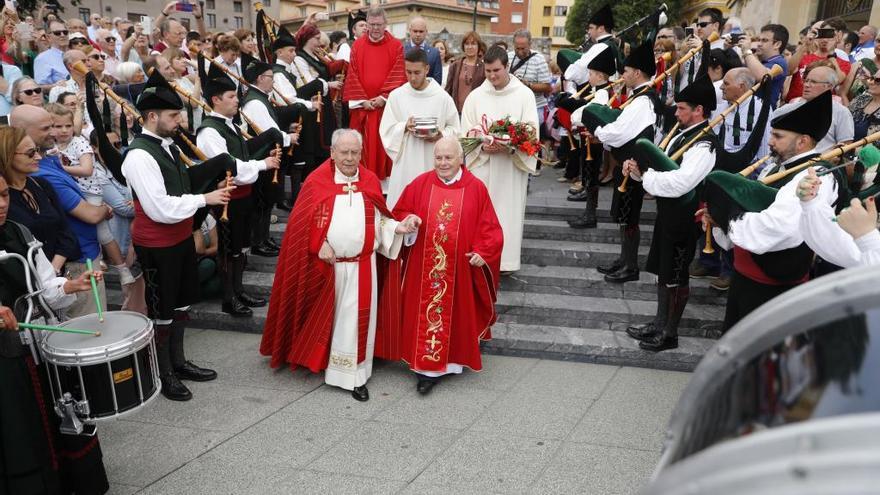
[
  {"x": 626, "y": 207},
  {"x": 171, "y": 276},
  {"x": 746, "y": 295},
  {"x": 235, "y": 235},
  {"x": 673, "y": 246}
]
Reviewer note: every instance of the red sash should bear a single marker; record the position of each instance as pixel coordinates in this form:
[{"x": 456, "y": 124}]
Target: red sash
[{"x": 436, "y": 293}]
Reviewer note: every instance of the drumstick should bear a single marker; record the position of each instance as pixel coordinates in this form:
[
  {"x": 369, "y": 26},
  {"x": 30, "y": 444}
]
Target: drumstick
[
  {"x": 33, "y": 326},
  {"x": 95, "y": 290}
]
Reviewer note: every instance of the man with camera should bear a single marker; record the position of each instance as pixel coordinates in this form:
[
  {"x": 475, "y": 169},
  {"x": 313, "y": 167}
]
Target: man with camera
[{"x": 820, "y": 44}]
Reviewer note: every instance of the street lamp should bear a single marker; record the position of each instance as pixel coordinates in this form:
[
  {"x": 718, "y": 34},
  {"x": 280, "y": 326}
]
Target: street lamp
[{"x": 474, "y": 23}]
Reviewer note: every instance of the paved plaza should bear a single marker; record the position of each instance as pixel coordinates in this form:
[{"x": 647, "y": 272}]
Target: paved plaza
[{"x": 520, "y": 426}]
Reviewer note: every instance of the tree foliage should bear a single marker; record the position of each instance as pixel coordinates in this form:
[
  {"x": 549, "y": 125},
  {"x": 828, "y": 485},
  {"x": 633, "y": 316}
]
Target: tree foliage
[{"x": 625, "y": 13}]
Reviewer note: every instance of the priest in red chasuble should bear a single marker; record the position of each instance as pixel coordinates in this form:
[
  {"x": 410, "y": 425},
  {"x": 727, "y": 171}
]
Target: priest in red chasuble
[
  {"x": 322, "y": 312},
  {"x": 450, "y": 275},
  {"x": 376, "y": 69}
]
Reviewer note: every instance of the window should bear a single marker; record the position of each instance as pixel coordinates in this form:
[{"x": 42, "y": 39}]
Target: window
[
  {"x": 398, "y": 29},
  {"x": 212, "y": 20},
  {"x": 461, "y": 2},
  {"x": 239, "y": 22},
  {"x": 236, "y": 7},
  {"x": 545, "y": 31},
  {"x": 303, "y": 12},
  {"x": 133, "y": 17},
  {"x": 209, "y": 4},
  {"x": 559, "y": 31},
  {"x": 267, "y": 3},
  {"x": 331, "y": 6},
  {"x": 516, "y": 18},
  {"x": 494, "y": 20},
  {"x": 185, "y": 23},
  {"x": 547, "y": 11},
  {"x": 517, "y": 1},
  {"x": 561, "y": 10},
  {"x": 84, "y": 14}
]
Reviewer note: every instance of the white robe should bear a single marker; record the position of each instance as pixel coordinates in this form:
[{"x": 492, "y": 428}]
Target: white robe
[
  {"x": 506, "y": 175},
  {"x": 411, "y": 155},
  {"x": 346, "y": 236}
]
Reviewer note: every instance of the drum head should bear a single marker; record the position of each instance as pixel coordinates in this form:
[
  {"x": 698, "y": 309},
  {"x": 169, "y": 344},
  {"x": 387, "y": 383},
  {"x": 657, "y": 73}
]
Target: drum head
[{"x": 121, "y": 332}]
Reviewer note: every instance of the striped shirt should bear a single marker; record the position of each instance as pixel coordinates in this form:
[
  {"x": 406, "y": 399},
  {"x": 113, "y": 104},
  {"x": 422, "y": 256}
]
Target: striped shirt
[{"x": 534, "y": 70}]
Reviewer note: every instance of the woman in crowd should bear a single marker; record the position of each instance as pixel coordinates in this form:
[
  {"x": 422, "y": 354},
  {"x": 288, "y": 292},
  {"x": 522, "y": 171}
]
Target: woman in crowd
[
  {"x": 445, "y": 57},
  {"x": 865, "y": 108},
  {"x": 187, "y": 82},
  {"x": 130, "y": 73},
  {"x": 247, "y": 41},
  {"x": 26, "y": 91},
  {"x": 466, "y": 73}
]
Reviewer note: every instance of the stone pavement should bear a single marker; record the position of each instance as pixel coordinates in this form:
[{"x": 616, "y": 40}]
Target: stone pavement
[{"x": 520, "y": 426}]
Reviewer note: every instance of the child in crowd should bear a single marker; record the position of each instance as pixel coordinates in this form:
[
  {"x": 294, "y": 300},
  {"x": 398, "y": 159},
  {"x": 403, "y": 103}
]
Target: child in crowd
[{"x": 79, "y": 161}]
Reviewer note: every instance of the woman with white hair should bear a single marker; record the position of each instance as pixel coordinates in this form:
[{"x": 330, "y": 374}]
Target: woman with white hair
[{"x": 130, "y": 73}]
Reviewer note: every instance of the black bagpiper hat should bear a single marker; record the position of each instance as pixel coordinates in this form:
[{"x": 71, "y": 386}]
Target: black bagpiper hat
[
  {"x": 642, "y": 58},
  {"x": 603, "y": 17},
  {"x": 699, "y": 92},
  {"x": 812, "y": 118},
  {"x": 605, "y": 62},
  {"x": 158, "y": 95}
]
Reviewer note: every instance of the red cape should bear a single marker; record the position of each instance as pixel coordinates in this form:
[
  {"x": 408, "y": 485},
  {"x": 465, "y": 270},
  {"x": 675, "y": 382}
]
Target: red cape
[
  {"x": 376, "y": 69},
  {"x": 299, "y": 324},
  {"x": 463, "y": 215}
]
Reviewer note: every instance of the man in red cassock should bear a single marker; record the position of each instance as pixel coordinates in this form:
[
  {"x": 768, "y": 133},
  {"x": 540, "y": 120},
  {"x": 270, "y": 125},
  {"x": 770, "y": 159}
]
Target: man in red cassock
[
  {"x": 450, "y": 275},
  {"x": 376, "y": 69},
  {"x": 322, "y": 312}
]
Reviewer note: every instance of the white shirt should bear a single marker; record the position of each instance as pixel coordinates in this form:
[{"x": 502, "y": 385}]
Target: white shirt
[
  {"x": 578, "y": 72},
  {"x": 212, "y": 144},
  {"x": 632, "y": 121},
  {"x": 145, "y": 180},
  {"x": 744, "y": 132},
  {"x": 832, "y": 243},
  {"x": 257, "y": 112},
  {"x": 696, "y": 163},
  {"x": 234, "y": 67},
  {"x": 283, "y": 87}
]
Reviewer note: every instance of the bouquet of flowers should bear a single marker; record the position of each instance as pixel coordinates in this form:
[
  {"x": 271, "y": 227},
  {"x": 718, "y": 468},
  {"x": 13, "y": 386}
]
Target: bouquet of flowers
[{"x": 516, "y": 136}]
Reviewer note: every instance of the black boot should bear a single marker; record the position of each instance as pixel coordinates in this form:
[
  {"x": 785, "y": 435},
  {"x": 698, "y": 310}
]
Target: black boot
[
  {"x": 630, "y": 270},
  {"x": 238, "y": 263},
  {"x": 588, "y": 219},
  {"x": 231, "y": 304},
  {"x": 183, "y": 369},
  {"x": 266, "y": 250},
  {"x": 172, "y": 389},
  {"x": 579, "y": 196},
  {"x": 641, "y": 332},
  {"x": 361, "y": 394},
  {"x": 668, "y": 338},
  {"x": 618, "y": 263},
  {"x": 426, "y": 383}
]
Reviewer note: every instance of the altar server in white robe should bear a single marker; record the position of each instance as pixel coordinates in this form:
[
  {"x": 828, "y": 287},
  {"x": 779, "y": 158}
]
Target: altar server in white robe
[
  {"x": 412, "y": 153},
  {"x": 505, "y": 173}
]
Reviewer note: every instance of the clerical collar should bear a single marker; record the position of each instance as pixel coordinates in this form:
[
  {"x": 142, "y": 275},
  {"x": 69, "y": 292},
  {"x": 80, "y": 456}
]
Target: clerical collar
[
  {"x": 798, "y": 157},
  {"x": 340, "y": 178},
  {"x": 453, "y": 180}
]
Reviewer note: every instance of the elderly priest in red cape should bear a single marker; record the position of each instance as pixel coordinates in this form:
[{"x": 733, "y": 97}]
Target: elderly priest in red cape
[
  {"x": 322, "y": 312},
  {"x": 376, "y": 70},
  {"x": 450, "y": 274}
]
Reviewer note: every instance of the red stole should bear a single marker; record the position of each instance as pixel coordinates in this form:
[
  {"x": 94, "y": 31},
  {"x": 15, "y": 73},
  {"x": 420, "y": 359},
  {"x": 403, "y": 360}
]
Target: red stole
[{"x": 299, "y": 323}]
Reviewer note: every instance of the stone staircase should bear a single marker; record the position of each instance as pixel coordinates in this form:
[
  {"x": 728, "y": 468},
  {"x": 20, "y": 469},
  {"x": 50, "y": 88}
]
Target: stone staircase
[{"x": 557, "y": 306}]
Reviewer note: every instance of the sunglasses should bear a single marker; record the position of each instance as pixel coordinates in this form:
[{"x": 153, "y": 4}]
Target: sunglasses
[
  {"x": 704, "y": 23},
  {"x": 78, "y": 41},
  {"x": 29, "y": 153},
  {"x": 110, "y": 39},
  {"x": 97, "y": 56},
  {"x": 34, "y": 91},
  {"x": 60, "y": 33}
]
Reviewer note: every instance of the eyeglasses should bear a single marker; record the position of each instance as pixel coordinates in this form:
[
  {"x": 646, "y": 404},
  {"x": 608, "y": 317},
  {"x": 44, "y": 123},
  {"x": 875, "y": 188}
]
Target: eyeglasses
[
  {"x": 97, "y": 56},
  {"x": 704, "y": 23},
  {"x": 813, "y": 81},
  {"x": 63, "y": 32},
  {"x": 110, "y": 39},
  {"x": 78, "y": 41},
  {"x": 664, "y": 36},
  {"x": 29, "y": 153},
  {"x": 33, "y": 91}
]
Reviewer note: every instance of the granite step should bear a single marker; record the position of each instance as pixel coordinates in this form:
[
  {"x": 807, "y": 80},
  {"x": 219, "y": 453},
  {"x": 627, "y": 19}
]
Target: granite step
[
  {"x": 559, "y": 230},
  {"x": 508, "y": 338},
  {"x": 614, "y": 314}
]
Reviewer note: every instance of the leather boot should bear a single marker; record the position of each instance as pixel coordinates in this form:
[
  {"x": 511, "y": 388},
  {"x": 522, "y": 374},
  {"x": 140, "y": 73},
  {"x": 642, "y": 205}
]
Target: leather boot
[
  {"x": 183, "y": 369},
  {"x": 588, "y": 219},
  {"x": 238, "y": 264},
  {"x": 618, "y": 263},
  {"x": 630, "y": 270},
  {"x": 668, "y": 338},
  {"x": 172, "y": 388},
  {"x": 641, "y": 332},
  {"x": 578, "y": 196},
  {"x": 231, "y": 304}
]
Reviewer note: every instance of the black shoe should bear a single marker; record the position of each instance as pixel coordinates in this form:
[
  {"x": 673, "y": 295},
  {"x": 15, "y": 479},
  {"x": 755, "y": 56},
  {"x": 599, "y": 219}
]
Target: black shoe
[
  {"x": 172, "y": 389},
  {"x": 659, "y": 342},
  {"x": 265, "y": 250},
  {"x": 284, "y": 205},
  {"x": 580, "y": 197},
  {"x": 425, "y": 384},
  {"x": 361, "y": 394},
  {"x": 251, "y": 301},
  {"x": 610, "y": 267},
  {"x": 272, "y": 243},
  {"x": 583, "y": 222},
  {"x": 642, "y": 332},
  {"x": 191, "y": 372},
  {"x": 622, "y": 275},
  {"x": 236, "y": 308}
]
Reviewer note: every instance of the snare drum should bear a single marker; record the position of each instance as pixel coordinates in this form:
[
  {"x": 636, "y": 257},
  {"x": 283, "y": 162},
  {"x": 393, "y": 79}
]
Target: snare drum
[{"x": 108, "y": 375}]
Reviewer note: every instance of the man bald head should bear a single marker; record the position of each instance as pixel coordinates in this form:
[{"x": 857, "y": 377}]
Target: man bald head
[
  {"x": 418, "y": 30},
  {"x": 36, "y": 122},
  {"x": 819, "y": 80},
  {"x": 447, "y": 157}
]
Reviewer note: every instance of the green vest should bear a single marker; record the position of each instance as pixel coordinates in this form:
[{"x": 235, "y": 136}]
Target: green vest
[
  {"x": 174, "y": 174},
  {"x": 255, "y": 94},
  {"x": 278, "y": 68},
  {"x": 235, "y": 143}
]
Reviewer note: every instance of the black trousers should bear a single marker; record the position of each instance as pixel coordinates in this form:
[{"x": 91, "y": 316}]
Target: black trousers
[{"x": 746, "y": 295}]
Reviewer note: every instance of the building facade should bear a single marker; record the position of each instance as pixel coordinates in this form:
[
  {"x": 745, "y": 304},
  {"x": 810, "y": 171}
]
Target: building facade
[{"x": 512, "y": 15}]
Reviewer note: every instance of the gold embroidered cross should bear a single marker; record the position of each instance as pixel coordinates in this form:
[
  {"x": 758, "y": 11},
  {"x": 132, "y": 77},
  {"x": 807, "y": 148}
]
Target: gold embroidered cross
[
  {"x": 323, "y": 215},
  {"x": 433, "y": 341}
]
